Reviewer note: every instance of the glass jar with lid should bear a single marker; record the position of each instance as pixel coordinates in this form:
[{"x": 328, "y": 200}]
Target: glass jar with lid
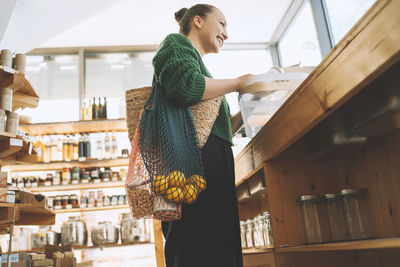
[
  {"x": 66, "y": 175},
  {"x": 243, "y": 233},
  {"x": 250, "y": 233},
  {"x": 337, "y": 222},
  {"x": 356, "y": 211},
  {"x": 57, "y": 203},
  {"x": 267, "y": 230},
  {"x": 315, "y": 219},
  {"x": 73, "y": 201},
  {"x": 258, "y": 232}
]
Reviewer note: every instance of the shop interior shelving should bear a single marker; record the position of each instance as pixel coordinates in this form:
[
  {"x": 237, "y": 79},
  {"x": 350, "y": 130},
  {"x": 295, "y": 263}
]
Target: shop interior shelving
[
  {"x": 70, "y": 187},
  {"x": 69, "y": 164},
  {"x": 366, "y": 60},
  {"x": 92, "y": 126},
  {"x": 14, "y": 149},
  {"x": 115, "y": 207}
]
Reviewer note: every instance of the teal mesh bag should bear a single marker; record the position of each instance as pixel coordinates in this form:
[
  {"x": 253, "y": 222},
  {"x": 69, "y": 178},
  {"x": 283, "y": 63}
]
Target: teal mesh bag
[{"x": 171, "y": 154}]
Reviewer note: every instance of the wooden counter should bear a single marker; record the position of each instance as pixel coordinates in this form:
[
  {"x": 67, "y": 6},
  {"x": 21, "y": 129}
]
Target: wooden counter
[{"x": 366, "y": 60}]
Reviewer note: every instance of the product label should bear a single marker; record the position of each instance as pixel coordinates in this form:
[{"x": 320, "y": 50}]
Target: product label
[
  {"x": 65, "y": 182},
  {"x": 47, "y": 183},
  {"x": 15, "y": 142},
  {"x": 13, "y": 258},
  {"x": 82, "y": 159},
  {"x": 75, "y": 182},
  {"x": 96, "y": 181},
  {"x": 85, "y": 181},
  {"x": 69, "y": 206},
  {"x": 106, "y": 179}
]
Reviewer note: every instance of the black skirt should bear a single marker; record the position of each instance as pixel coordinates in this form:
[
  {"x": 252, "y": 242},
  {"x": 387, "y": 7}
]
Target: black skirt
[{"x": 208, "y": 234}]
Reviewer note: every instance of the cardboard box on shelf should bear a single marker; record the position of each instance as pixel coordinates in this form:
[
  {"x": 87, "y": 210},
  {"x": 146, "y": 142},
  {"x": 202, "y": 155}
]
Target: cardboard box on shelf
[
  {"x": 30, "y": 198},
  {"x": 17, "y": 260}
]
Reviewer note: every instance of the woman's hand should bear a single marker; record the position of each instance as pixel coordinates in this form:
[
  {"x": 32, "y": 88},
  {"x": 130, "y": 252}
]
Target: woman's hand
[
  {"x": 242, "y": 81},
  {"x": 218, "y": 87}
]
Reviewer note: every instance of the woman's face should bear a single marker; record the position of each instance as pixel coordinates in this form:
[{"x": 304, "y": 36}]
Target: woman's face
[{"x": 213, "y": 32}]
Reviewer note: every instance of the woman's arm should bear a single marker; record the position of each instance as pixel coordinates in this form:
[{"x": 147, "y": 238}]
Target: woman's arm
[{"x": 218, "y": 87}]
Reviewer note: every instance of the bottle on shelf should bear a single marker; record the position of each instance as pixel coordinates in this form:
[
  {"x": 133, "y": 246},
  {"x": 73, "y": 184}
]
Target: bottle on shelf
[
  {"x": 47, "y": 150},
  {"x": 89, "y": 111},
  {"x": 114, "y": 146},
  {"x": 107, "y": 146},
  {"x": 100, "y": 147},
  {"x": 86, "y": 143},
  {"x": 65, "y": 148},
  {"x": 81, "y": 148},
  {"x": 37, "y": 143},
  {"x": 54, "y": 149},
  {"x": 84, "y": 111},
  {"x": 105, "y": 109},
  {"x": 70, "y": 148},
  {"x": 100, "y": 111},
  {"x": 95, "y": 109},
  {"x": 75, "y": 148},
  {"x": 59, "y": 148}
]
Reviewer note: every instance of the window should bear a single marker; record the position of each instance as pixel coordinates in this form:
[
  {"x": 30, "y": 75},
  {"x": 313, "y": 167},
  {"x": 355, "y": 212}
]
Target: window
[
  {"x": 343, "y": 14},
  {"x": 234, "y": 63},
  {"x": 56, "y": 80},
  {"x": 111, "y": 74},
  {"x": 300, "y": 43}
]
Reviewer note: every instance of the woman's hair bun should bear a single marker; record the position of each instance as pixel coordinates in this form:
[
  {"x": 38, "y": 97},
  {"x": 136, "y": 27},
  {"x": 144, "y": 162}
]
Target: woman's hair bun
[{"x": 179, "y": 14}]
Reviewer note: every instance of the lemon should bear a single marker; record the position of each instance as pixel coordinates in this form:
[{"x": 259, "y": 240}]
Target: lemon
[
  {"x": 177, "y": 178},
  {"x": 190, "y": 193},
  {"x": 198, "y": 182},
  {"x": 160, "y": 184},
  {"x": 174, "y": 194}
]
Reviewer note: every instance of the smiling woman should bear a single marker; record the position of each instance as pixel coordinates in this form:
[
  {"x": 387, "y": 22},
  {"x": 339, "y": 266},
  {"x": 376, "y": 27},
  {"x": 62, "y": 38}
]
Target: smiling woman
[{"x": 184, "y": 80}]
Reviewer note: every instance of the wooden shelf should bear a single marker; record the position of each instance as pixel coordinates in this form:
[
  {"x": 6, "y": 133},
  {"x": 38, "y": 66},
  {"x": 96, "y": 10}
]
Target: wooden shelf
[
  {"x": 70, "y": 187},
  {"x": 260, "y": 168},
  {"x": 387, "y": 243},
  {"x": 94, "y": 126},
  {"x": 26, "y": 214},
  {"x": 248, "y": 251},
  {"x": 86, "y": 247},
  {"x": 92, "y": 209},
  {"x": 14, "y": 149},
  {"x": 59, "y": 165},
  {"x": 24, "y": 95}
]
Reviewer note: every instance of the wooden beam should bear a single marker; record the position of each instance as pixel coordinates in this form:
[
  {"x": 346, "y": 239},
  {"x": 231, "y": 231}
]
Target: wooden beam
[
  {"x": 23, "y": 100},
  {"x": 159, "y": 244},
  {"x": 14, "y": 82}
]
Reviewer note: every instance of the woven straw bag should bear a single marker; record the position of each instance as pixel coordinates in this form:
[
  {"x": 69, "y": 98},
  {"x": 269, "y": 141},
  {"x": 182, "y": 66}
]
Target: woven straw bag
[{"x": 205, "y": 113}]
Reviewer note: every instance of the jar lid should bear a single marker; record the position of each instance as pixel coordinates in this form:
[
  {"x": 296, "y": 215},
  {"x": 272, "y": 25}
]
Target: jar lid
[
  {"x": 331, "y": 195},
  {"x": 353, "y": 192},
  {"x": 305, "y": 198}
]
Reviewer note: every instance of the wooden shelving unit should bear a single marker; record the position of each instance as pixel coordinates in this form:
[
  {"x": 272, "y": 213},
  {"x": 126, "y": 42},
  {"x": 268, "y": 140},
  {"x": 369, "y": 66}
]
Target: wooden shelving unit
[
  {"x": 70, "y": 187},
  {"x": 69, "y": 164},
  {"x": 24, "y": 95},
  {"x": 26, "y": 214},
  {"x": 14, "y": 149},
  {"x": 366, "y": 60},
  {"x": 386, "y": 243},
  {"x": 115, "y": 207},
  {"x": 247, "y": 251},
  {"x": 93, "y": 126}
]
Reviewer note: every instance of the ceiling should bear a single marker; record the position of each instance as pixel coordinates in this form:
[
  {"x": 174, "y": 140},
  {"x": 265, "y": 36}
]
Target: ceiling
[{"x": 72, "y": 23}]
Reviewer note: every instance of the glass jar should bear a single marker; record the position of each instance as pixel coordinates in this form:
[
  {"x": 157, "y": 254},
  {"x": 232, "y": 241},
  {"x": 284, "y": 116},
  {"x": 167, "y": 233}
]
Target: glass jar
[
  {"x": 121, "y": 200},
  {"x": 107, "y": 201},
  {"x": 57, "y": 204},
  {"x": 85, "y": 176},
  {"x": 115, "y": 176},
  {"x": 95, "y": 176},
  {"x": 57, "y": 178},
  {"x": 356, "y": 211},
  {"x": 65, "y": 202},
  {"x": 84, "y": 202},
  {"x": 91, "y": 200},
  {"x": 258, "y": 232},
  {"x": 243, "y": 234},
  {"x": 114, "y": 200},
  {"x": 315, "y": 219},
  {"x": 66, "y": 175},
  {"x": 337, "y": 222},
  {"x": 267, "y": 230},
  {"x": 50, "y": 202},
  {"x": 49, "y": 180},
  {"x": 250, "y": 233},
  {"x": 106, "y": 175},
  {"x": 76, "y": 175},
  {"x": 73, "y": 201}
]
